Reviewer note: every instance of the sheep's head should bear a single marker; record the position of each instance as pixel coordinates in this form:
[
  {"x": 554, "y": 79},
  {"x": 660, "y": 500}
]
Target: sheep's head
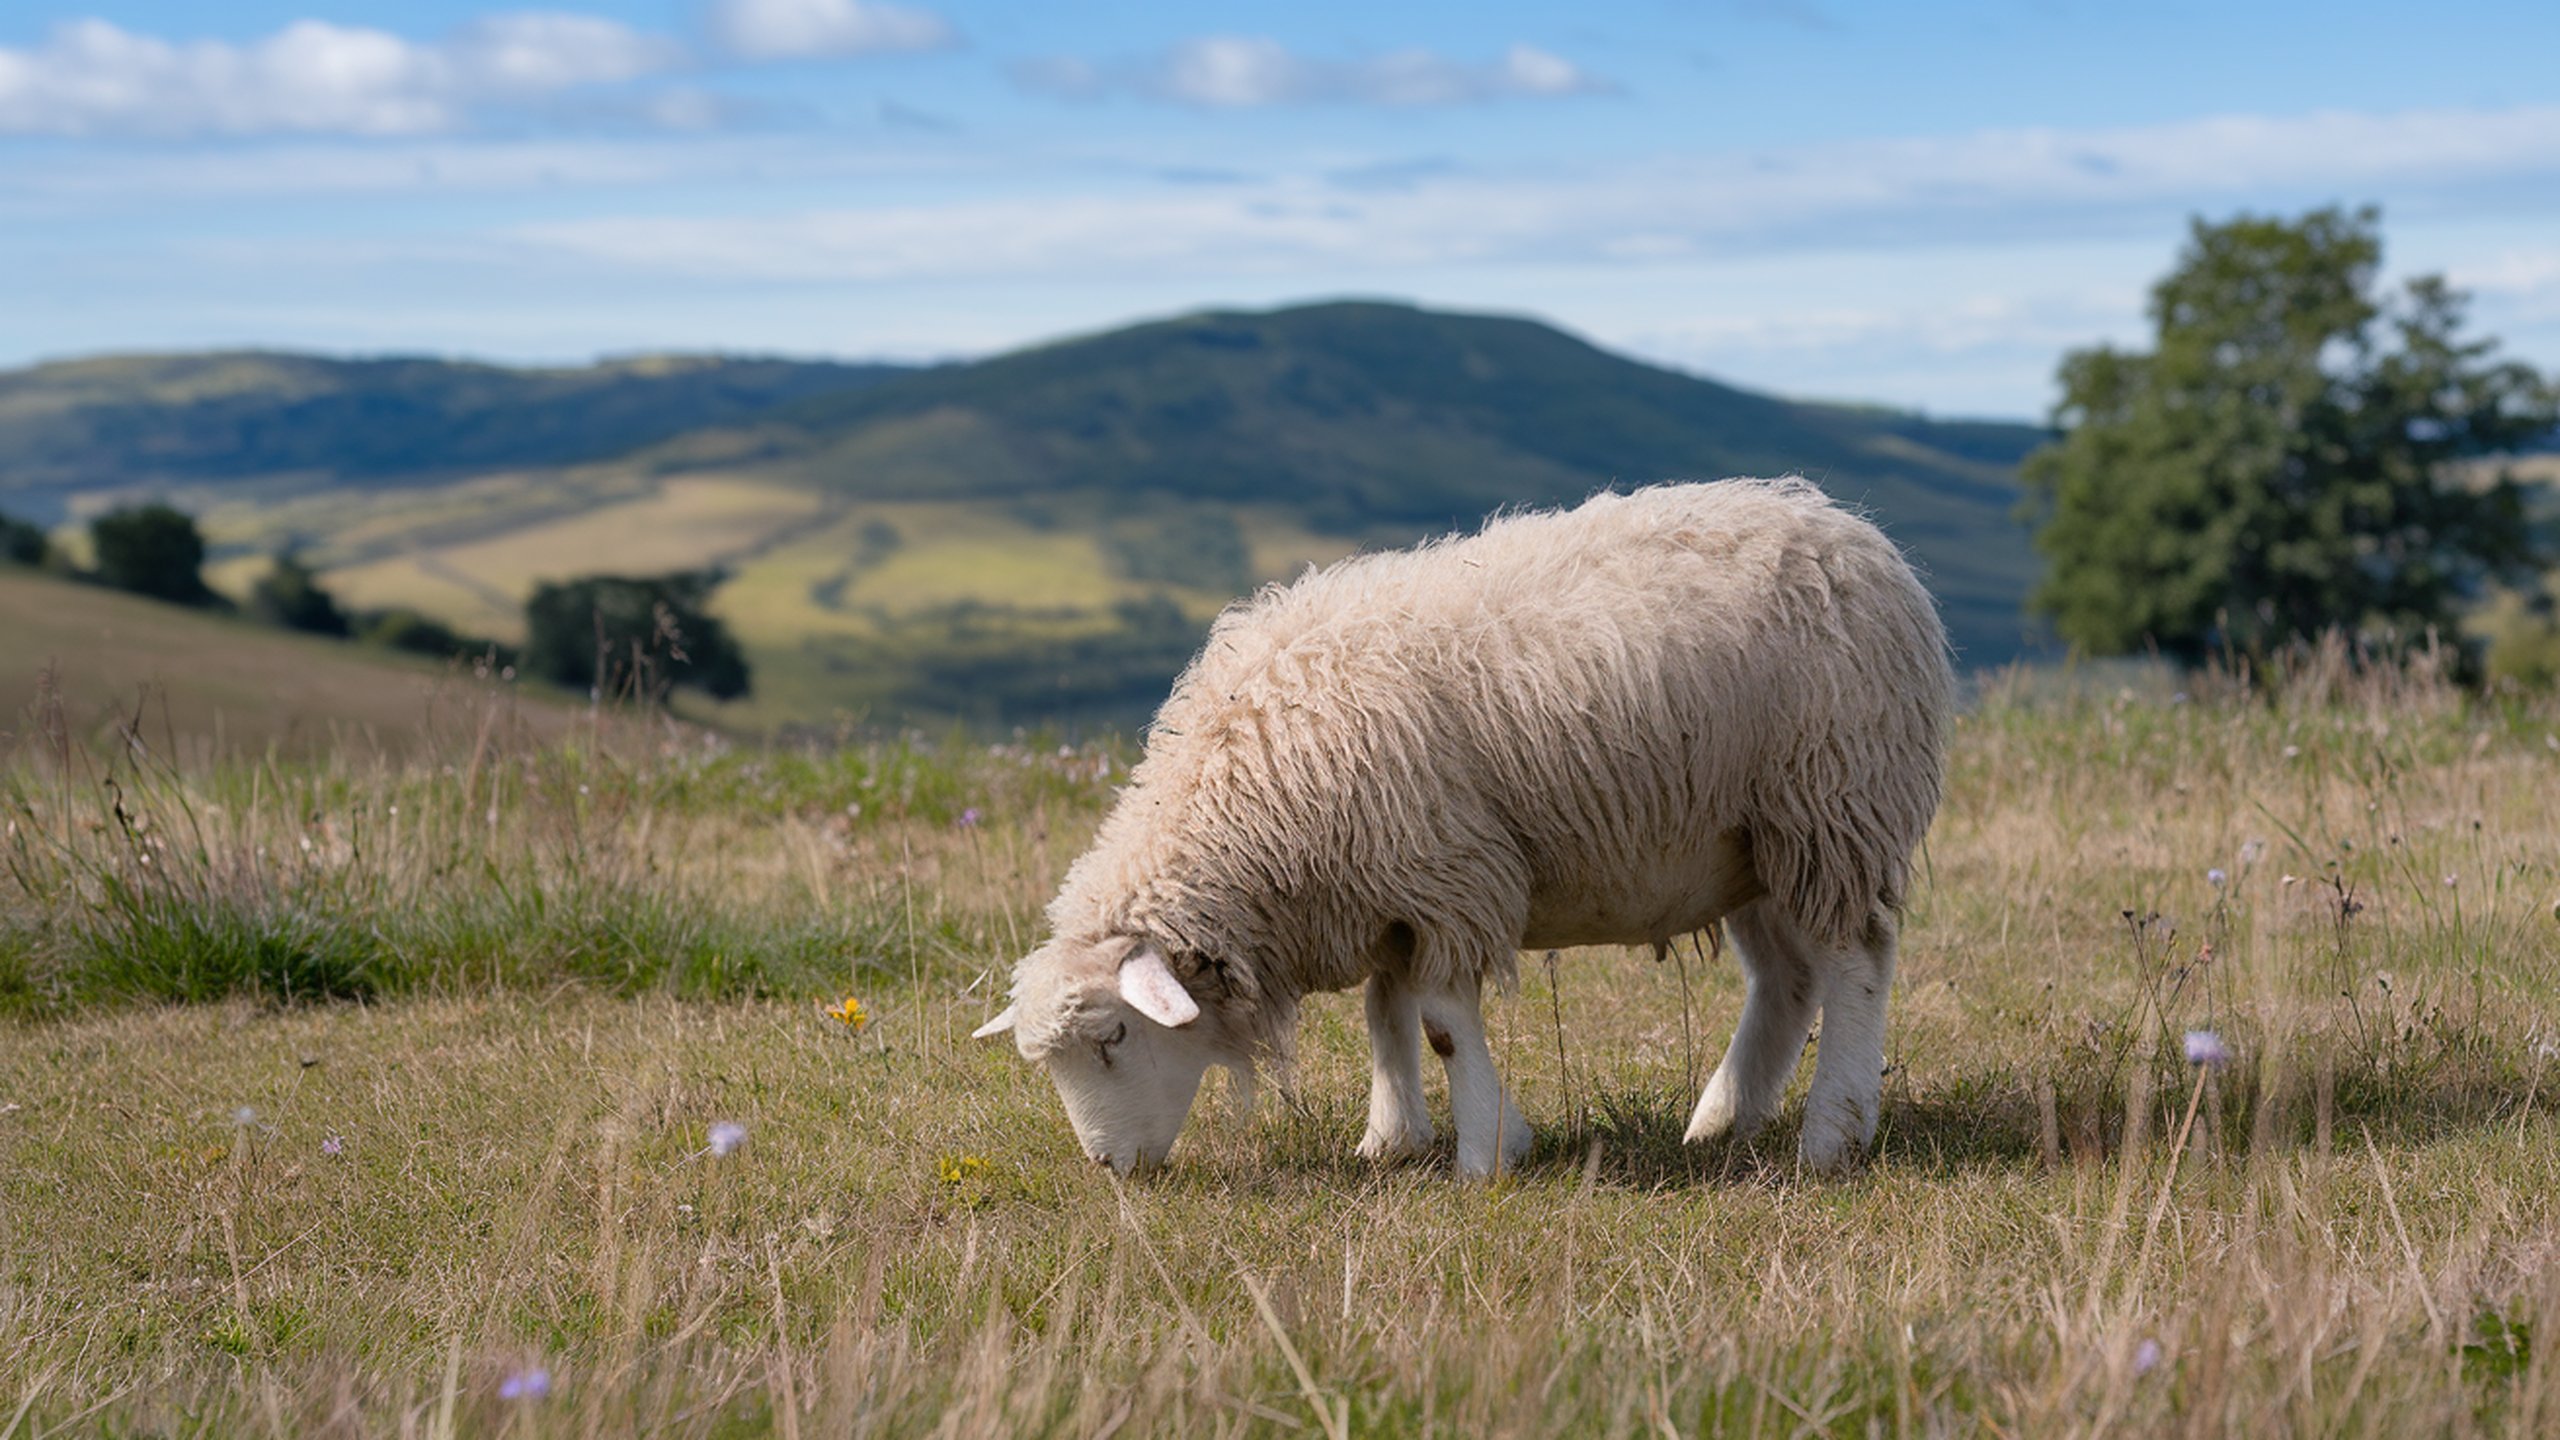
[{"x": 1123, "y": 1040}]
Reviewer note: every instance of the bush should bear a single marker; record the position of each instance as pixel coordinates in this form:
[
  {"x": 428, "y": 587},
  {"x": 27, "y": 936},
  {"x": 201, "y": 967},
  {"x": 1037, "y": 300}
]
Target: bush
[
  {"x": 290, "y": 595},
  {"x": 400, "y": 628},
  {"x": 634, "y": 636},
  {"x": 21, "y": 543},
  {"x": 152, "y": 550}
]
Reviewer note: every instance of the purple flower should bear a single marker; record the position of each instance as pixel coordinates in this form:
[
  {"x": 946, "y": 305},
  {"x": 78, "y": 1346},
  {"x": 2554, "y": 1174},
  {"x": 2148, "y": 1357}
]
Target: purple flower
[
  {"x": 2206, "y": 1048},
  {"x": 726, "y": 1136},
  {"x": 334, "y": 1145},
  {"x": 530, "y": 1384},
  {"x": 2216, "y": 879},
  {"x": 2146, "y": 1357},
  {"x": 969, "y": 818}
]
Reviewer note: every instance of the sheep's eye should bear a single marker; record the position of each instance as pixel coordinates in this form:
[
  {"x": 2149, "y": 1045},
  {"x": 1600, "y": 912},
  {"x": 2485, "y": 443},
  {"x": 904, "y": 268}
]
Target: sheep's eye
[{"x": 1116, "y": 1037}]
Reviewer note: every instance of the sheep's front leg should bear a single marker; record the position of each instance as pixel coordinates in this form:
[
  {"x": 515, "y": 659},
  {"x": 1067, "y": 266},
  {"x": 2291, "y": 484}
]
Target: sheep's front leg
[
  {"x": 1848, "y": 1071},
  {"x": 1398, "y": 1122},
  {"x": 1492, "y": 1133}
]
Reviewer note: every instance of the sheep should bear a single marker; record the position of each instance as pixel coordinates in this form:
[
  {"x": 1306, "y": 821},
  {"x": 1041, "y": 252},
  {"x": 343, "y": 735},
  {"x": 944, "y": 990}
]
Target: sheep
[{"x": 1611, "y": 725}]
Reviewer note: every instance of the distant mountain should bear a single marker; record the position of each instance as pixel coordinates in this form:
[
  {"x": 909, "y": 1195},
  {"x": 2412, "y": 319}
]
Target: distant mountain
[
  {"x": 1385, "y": 421},
  {"x": 1036, "y": 536},
  {"x": 178, "y": 420}
]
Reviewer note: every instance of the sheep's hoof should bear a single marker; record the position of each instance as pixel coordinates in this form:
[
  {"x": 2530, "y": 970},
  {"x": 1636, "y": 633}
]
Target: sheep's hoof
[
  {"x": 1833, "y": 1150},
  {"x": 1516, "y": 1141},
  {"x": 1396, "y": 1144},
  {"x": 1717, "y": 1117}
]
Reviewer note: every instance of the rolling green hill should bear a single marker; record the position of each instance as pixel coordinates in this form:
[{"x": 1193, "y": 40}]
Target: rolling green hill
[
  {"x": 1382, "y": 422},
  {"x": 1040, "y": 535}
]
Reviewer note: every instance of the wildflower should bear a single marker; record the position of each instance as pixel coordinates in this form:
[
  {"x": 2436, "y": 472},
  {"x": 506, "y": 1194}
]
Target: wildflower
[
  {"x": 2451, "y": 880},
  {"x": 2146, "y": 1357},
  {"x": 334, "y": 1145},
  {"x": 2216, "y": 878},
  {"x": 245, "y": 1116},
  {"x": 2290, "y": 751},
  {"x": 2206, "y": 1048},
  {"x": 530, "y": 1384},
  {"x": 2253, "y": 851},
  {"x": 969, "y": 818},
  {"x": 960, "y": 1169},
  {"x": 850, "y": 1014},
  {"x": 726, "y": 1136}
]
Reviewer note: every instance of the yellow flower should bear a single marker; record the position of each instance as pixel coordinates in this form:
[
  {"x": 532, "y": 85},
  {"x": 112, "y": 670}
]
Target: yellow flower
[
  {"x": 959, "y": 1169},
  {"x": 850, "y": 1013}
]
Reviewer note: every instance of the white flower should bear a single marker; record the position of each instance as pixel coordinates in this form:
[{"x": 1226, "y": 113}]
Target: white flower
[
  {"x": 2206, "y": 1048},
  {"x": 726, "y": 1136}
]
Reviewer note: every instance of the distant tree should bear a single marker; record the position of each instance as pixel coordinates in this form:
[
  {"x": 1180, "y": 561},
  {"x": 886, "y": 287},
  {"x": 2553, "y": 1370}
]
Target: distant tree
[
  {"x": 636, "y": 636},
  {"x": 399, "y": 628},
  {"x": 152, "y": 550},
  {"x": 290, "y": 595},
  {"x": 21, "y": 543},
  {"x": 2281, "y": 460}
]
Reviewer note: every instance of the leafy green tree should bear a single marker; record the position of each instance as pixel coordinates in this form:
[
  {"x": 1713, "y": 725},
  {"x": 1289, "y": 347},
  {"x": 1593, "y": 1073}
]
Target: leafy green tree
[
  {"x": 635, "y": 636},
  {"x": 152, "y": 550},
  {"x": 21, "y": 543},
  {"x": 290, "y": 595},
  {"x": 2282, "y": 460}
]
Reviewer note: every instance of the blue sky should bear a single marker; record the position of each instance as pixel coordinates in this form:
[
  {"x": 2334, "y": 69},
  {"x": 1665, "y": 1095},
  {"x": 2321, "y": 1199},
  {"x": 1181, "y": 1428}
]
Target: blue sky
[{"x": 1916, "y": 205}]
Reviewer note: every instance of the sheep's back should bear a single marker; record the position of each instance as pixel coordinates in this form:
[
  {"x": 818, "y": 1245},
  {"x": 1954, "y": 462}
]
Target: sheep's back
[{"x": 1553, "y": 704}]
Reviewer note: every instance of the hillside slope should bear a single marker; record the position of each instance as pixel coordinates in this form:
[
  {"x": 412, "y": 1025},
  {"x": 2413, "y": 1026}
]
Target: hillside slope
[
  {"x": 1037, "y": 536},
  {"x": 98, "y": 657}
]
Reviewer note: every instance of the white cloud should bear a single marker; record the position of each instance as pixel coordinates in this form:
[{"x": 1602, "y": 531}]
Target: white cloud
[
  {"x": 540, "y": 51},
  {"x": 791, "y": 29},
  {"x": 1851, "y": 196},
  {"x": 1246, "y": 71},
  {"x": 91, "y": 77}
]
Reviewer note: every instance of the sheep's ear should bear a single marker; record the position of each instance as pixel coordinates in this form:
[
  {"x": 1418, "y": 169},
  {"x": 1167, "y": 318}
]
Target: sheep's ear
[
  {"x": 997, "y": 1026},
  {"x": 1149, "y": 987}
]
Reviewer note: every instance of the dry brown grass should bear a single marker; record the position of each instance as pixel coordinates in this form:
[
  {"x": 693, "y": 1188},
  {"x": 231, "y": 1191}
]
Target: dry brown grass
[{"x": 2349, "y": 1230}]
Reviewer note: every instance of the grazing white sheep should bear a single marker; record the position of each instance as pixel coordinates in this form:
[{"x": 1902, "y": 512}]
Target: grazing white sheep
[{"x": 1610, "y": 725}]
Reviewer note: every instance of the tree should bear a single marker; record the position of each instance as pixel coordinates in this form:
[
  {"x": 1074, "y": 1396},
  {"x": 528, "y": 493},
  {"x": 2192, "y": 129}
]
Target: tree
[
  {"x": 2283, "y": 460},
  {"x": 21, "y": 543},
  {"x": 290, "y": 595},
  {"x": 152, "y": 550},
  {"x": 622, "y": 635}
]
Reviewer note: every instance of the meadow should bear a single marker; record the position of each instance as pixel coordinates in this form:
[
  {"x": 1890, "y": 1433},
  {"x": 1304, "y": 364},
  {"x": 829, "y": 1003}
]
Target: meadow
[{"x": 512, "y": 1089}]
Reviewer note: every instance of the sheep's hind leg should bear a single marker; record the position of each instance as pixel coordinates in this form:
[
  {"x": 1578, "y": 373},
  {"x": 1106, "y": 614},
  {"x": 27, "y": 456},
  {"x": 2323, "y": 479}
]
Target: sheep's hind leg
[
  {"x": 1777, "y": 1013},
  {"x": 1492, "y": 1133},
  {"x": 1399, "y": 1123},
  {"x": 1848, "y": 1073}
]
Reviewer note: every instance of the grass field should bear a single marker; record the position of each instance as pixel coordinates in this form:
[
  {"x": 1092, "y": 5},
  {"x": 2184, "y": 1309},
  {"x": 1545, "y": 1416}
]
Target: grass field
[{"x": 561, "y": 967}]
